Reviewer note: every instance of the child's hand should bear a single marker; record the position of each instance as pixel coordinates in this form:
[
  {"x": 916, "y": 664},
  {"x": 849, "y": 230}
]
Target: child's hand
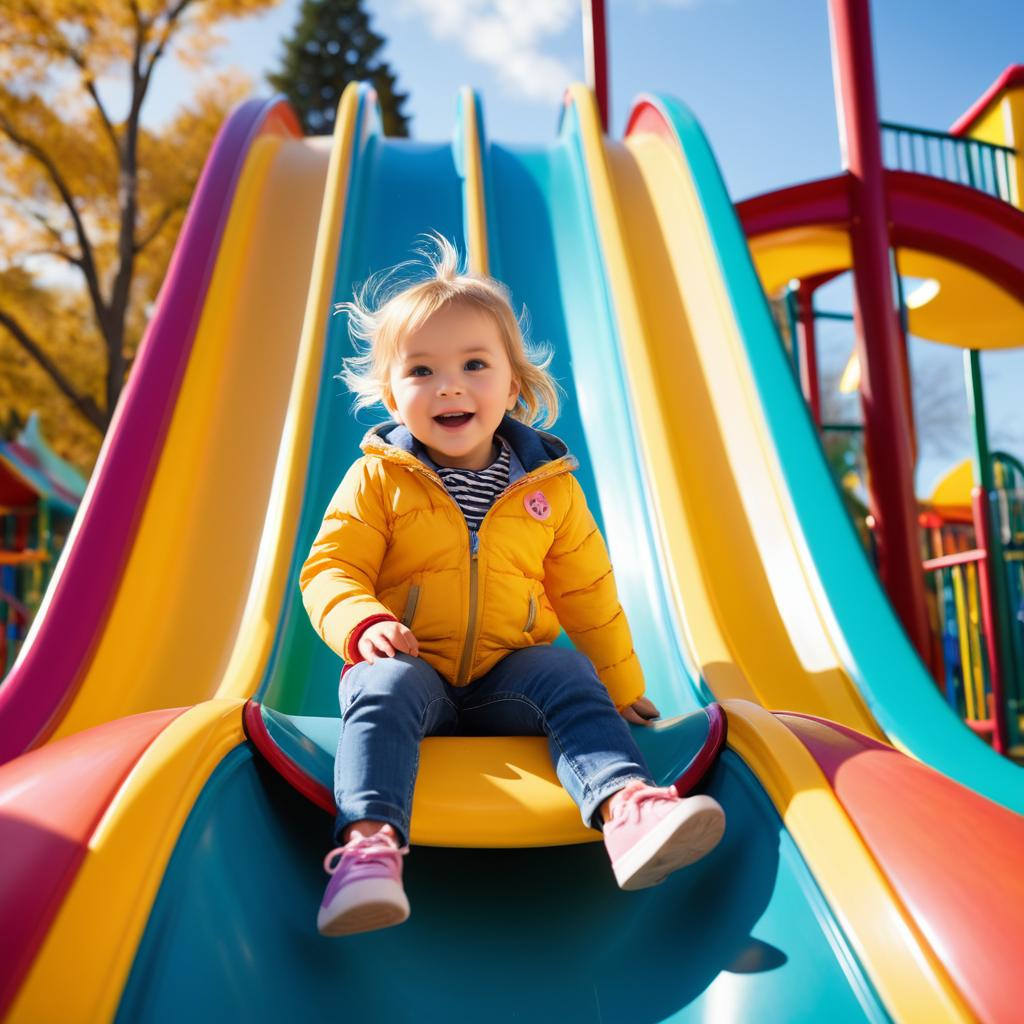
[
  {"x": 382, "y": 639},
  {"x": 640, "y": 712}
]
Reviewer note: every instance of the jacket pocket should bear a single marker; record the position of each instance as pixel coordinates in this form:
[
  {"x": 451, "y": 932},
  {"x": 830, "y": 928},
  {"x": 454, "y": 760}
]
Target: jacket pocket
[
  {"x": 410, "y": 605},
  {"x": 531, "y": 617}
]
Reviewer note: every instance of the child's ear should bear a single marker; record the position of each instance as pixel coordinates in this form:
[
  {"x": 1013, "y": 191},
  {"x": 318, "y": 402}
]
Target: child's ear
[
  {"x": 513, "y": 395},
  {"x": 388, "y": 400}
]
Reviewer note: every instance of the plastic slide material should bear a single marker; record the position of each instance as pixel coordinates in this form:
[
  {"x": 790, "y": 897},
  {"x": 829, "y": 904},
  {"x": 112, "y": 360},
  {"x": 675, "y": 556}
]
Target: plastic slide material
[
  {"x": 780, "y": 602},
  {"x": 194, "y": 894},
  {"x": 230, "y": 930},
  {"x": 144, "y": 607}
]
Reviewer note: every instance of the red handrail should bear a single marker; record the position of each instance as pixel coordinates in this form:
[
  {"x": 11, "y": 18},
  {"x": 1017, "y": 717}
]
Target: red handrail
[{"x": 958, "y": 558}]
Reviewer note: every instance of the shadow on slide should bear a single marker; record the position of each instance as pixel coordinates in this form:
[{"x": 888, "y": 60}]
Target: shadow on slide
[{"x": 541, "y": 934}]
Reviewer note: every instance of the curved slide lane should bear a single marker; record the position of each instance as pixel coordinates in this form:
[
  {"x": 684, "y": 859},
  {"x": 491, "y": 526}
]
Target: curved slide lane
[
  {"x": 780, "y": 602},
  {"x": 145, "y": 602},
  {"x": 230, "y": 930},
  {"x": 198, "y": 873}
]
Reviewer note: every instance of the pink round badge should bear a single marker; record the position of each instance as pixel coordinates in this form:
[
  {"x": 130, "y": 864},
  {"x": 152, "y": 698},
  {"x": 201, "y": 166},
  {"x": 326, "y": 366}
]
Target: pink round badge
[{"x": 537, "y": 505}]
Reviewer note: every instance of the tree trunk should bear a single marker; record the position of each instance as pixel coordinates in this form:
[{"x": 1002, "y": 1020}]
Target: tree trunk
[{"x": 83, "y": 403}]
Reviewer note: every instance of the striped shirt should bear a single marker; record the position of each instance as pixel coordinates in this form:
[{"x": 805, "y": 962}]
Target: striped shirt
[{"x": 474, "y": 491}]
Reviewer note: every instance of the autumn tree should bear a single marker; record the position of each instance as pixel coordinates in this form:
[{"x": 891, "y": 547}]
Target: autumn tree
[
  {"x": 91, "y": 199},
  {"x": 332, "y": 45},
  {"x": 60, "y": 316}
]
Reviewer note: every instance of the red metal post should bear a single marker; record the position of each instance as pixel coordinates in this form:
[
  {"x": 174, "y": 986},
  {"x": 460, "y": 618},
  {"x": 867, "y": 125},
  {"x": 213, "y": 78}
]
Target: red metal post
[
  {"x": 986, "y": 582},
  {"x": 904, "y": 349},
  {"x": 879, "y": 340},
  {"x": 595, "y": 55},
  {"x": 808, "y": 349}
]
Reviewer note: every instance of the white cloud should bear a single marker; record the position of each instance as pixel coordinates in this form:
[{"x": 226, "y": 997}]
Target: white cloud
[{"x": 508, "y": 35}]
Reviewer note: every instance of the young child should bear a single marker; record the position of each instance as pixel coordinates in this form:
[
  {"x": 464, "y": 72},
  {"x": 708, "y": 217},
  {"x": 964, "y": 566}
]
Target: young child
[{"x": 448, "y": 558}]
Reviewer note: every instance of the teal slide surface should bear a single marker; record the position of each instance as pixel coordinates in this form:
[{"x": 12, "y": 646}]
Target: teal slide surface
[
  {"x": 894, "y": 683},
  {"x": 497, "y": 935},
  {"x": 532, "y": 934}
]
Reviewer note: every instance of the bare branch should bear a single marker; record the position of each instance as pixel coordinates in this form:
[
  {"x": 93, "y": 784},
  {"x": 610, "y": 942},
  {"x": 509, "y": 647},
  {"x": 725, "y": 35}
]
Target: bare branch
[
  {"x": 108, "y": 126},
  {"x": 85, "y": 404},
  {"x": 61, "y": 46},
  {"x": 88, "y": 263},
  {"x": 44, "y": 222},
  {"x": 158, "y": 226},
  {"x": 173, "y": 17},
  {"x": 140, "y": 25},
  {"x": 60, "y": 253},
  {"x": 128, "y": 185},
  {"x": 51, "y": 229}
]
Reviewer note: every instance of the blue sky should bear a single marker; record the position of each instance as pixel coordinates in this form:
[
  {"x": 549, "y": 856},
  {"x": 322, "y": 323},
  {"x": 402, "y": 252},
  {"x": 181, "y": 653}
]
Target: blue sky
[{"x": 757, "y": 74}]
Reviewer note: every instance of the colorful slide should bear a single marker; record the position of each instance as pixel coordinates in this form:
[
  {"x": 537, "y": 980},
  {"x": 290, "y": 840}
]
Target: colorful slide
[
  {"x": 144, "y": 608},
  {"x": 780, "y": 603},
  {"x": 167, "y": 864}
]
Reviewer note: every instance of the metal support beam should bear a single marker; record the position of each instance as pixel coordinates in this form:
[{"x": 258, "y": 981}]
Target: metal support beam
[
  {"x": 991, "y": 581},
  {"x": 879, "y": 339},
  {"x": 595, "y": 55},
  {"x": 808, "y": 348}
]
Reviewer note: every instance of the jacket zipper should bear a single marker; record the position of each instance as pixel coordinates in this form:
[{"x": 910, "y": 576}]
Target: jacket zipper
[
  {"x": 532, "y": 616},
  {"x": 469, "y": 643},
  {"x": 410, "y": 605},
  {"x": 465, "y": 662}
]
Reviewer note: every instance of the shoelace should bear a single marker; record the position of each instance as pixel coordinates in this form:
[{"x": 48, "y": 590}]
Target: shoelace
[
  {"x": 629, "y": 808},
  {"x": 362, "y": 850}
]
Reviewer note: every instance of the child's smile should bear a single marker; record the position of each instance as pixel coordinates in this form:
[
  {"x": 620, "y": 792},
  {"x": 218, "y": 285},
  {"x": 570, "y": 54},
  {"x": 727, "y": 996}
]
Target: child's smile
[
  {"x": 452, "y": 384},
  {"x": 453, "y": 420}
]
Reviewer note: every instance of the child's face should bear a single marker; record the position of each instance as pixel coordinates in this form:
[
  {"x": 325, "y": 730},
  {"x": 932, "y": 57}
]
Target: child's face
[{"x": 454, "y": 364}]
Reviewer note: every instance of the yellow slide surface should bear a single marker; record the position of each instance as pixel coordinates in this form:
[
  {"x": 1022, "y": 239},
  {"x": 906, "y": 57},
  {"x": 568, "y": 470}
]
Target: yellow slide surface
[
  {"x": 172, "y": 628},
  {"x": 778, "y": 600},
  {"x": 733, "y": 562}
]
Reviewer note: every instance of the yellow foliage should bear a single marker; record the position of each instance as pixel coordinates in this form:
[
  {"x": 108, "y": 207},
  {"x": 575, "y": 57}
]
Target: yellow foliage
[
  {"x": 63, "y": 325},
  {"x": 66, "y": 171},
  {"x": 101, "y": 36}
]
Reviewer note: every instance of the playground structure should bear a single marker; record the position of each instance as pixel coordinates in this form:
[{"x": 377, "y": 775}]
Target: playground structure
[
  {"x": 161, "y": 798},
  {"x": 962, "y": 623},
  {"x": 39, "y": 493},
  {"x": 954, "y": 221}
]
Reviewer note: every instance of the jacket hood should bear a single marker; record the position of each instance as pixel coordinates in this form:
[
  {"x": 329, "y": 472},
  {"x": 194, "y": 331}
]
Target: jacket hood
[{"x": 532, "y": 447}]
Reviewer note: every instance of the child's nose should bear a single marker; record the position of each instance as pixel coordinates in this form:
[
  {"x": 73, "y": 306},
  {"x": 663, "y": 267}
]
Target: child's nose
[{"x": 450, "y": 386}]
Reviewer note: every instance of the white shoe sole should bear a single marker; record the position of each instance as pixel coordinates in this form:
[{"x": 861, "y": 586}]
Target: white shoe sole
[
  {"x": 363, "y": 907},
  {"x": 681, "y": 838}
]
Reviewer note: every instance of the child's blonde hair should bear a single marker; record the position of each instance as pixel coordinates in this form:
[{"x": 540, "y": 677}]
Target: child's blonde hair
[{"x": 387, "y": 307}]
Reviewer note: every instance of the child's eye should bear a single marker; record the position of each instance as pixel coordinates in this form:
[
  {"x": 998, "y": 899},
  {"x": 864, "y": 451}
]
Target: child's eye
[
  {"x": 419, "y": 371},
  {"x": 476, "y": 364}
]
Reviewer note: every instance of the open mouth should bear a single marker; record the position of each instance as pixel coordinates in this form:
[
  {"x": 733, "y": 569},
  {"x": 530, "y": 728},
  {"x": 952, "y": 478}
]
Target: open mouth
[{"x": 453, "y": 419}]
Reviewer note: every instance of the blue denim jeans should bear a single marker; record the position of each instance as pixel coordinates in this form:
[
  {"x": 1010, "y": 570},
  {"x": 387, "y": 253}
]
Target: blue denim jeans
[{"x": 389, "y": 706}]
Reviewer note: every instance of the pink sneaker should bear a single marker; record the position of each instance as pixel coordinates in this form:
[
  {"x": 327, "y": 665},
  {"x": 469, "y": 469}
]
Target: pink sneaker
[
  {"x": 365, "y": 891},
  {"x": 654, "y": 831}
]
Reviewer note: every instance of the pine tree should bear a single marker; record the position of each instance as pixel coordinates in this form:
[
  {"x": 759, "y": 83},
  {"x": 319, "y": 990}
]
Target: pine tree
[{"x": 332, "y": 45}]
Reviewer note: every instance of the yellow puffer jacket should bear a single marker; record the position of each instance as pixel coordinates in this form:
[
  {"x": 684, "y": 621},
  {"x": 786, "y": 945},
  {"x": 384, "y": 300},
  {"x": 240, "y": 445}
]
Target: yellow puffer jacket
[{"x": 395, "y": 545}]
